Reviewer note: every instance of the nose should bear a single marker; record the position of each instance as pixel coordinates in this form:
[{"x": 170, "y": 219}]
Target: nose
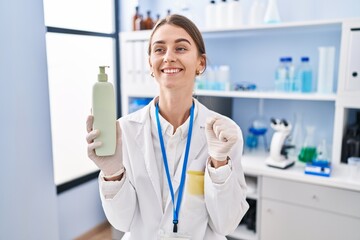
[{"x": 169, "y": 57}]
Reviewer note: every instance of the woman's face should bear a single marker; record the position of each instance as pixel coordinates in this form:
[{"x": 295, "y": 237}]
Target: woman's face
[{"x": 174, "y": 58}]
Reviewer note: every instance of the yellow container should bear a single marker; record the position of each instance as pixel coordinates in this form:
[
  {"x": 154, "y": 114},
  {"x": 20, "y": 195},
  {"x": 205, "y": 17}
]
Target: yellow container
[{"x": 195, "y": 182}]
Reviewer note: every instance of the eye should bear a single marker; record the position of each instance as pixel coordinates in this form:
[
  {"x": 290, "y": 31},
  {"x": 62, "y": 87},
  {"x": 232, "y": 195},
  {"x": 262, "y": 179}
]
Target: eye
[
  {"x": 181, "y": 49},
  {"x": 158, "y": 50}
]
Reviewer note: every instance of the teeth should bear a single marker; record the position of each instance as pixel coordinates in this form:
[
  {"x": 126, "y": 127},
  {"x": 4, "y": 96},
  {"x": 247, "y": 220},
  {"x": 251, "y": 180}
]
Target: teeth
[{"x": 171, "y": 70}]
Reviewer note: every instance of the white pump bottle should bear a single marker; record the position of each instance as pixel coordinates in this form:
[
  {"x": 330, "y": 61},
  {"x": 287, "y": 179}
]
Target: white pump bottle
[{"x": 104, "y": 111}]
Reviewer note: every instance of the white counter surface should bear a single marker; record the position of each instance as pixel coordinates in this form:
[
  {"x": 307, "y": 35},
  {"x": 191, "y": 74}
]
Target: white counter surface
[{"x": 254, "y": 164}]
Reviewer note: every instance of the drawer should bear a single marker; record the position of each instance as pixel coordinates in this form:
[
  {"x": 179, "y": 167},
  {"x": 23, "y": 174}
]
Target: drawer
[
  {"x": 284, "y": 221},
  {"x": 320, "y": 197}
]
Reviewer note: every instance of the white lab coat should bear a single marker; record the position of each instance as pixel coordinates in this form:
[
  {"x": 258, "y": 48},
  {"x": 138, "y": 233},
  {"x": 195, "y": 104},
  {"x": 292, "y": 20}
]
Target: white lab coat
[{"x": 137, "y": 207}]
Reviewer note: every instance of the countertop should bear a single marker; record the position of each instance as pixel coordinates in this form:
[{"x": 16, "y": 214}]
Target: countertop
[{"x": 254, "y": 164}]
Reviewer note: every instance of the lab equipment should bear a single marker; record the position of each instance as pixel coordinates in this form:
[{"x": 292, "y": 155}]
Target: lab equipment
[
  {"x": 322, "y": 152},
  {"x": 235, "y": 14},
  {"x": 351, "y": 141},
  {"x": 280, "y": 75},
  {"x": 278, "y": 149},
  {"x": 290, "y": 75},
  {"x": 244, "y": 86},
  {"x": 135, "y": 17},
  {"x": 223, "y": 78},
  {"x": 320, "y": 166},
  {"x": 354, "y": 164},
  {"x": 308, "y": 150},
  {"x": 139, "y": 23},
  {"x": 272, "y": 12},
  {"x": 221, "y": 14},
  {"x": 304, "y": 76},
  {"x": 257, "y": 129},
  {"x": 148, "y": 22},
  {"x": 325, "y": 82},
  {"x": 285, "y": 75},
  {"x": 210, "y": 20},
  {"x": 257, "y": 11},
  {"x": 215, "y": 78},
  {"x": 296, "y": 136},
  {"x": 104, "y": 111}
]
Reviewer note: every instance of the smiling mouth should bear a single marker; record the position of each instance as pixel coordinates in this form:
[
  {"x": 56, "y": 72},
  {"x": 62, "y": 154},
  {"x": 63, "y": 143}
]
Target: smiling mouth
[{"x": 171, "y": 71}]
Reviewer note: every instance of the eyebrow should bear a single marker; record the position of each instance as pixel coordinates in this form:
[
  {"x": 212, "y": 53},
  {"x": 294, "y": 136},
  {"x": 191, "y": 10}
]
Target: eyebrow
[{"x": 176, "y": 41}]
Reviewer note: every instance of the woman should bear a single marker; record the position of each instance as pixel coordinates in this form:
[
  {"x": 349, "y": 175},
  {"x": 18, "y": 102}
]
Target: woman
[{"x": 177, "y": 168}]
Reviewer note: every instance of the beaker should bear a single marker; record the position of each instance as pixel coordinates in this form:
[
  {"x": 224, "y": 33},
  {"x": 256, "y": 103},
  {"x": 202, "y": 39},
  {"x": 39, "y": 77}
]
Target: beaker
[
  {"x": 296, "y": 137},
  {"x": 308, "y": 149}
]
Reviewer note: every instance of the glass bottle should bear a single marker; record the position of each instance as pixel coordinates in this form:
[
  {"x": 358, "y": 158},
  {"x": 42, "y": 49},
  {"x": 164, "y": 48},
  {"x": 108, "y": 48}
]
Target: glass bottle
[
  {"x": 308, "y": 150},
  {"x": 139, "y": 24},
  {"x": 296, "y": 137},
  {"x": 135, "y": 17},
  {"x": 280, "y": 75},
  {"x": 148, "y": 22},
  {"x": 290, "y": 75},
  {"x": 322, "y": 152},
  {"x": 305, "y": 75}
]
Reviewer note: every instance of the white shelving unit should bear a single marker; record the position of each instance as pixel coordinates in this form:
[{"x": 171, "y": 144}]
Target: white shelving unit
[
  {"x": 136, "y": 82},
  {"x": 268, "y": 95}
]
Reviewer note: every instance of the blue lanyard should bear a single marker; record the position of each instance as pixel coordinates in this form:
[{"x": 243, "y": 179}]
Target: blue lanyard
[{"x": 176, "y": 209}]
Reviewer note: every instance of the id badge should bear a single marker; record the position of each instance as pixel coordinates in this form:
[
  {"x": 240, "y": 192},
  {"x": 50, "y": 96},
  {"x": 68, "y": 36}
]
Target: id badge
[{"x": 174, "y": 236}]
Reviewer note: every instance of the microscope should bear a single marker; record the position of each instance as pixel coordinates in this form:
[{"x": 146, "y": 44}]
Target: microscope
[{"x": 278, "y": 149}]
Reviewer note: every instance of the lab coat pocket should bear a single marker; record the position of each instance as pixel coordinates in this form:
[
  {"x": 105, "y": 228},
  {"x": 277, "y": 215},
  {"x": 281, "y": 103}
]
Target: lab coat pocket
[
  {"x": 195, "y": 182},
  {"x": 194, "y": 207}
]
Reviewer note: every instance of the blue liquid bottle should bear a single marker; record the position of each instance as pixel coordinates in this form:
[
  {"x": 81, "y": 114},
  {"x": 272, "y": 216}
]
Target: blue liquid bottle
[
  {"x": 281, "y": 75},
  {"x": 305, "y": 75},
  {"x": 290, "y": 77}
]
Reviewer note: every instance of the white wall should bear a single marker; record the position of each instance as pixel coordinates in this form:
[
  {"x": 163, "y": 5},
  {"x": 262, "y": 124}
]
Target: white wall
[
  {"x": 79, "y": 210},
  {"x": 28, "y": 207}
]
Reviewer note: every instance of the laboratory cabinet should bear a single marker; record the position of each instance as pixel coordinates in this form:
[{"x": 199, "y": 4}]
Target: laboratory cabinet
[
  {"x": 303, "y": 211},
  {"x": 348, "y": 94},
  {"x": 295, "y": 210}
]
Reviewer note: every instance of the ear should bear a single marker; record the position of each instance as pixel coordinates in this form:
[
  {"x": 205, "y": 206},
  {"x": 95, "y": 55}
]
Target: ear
[
  {"x": 150, "y": 64},
  {"x": 202, "y": 63}
]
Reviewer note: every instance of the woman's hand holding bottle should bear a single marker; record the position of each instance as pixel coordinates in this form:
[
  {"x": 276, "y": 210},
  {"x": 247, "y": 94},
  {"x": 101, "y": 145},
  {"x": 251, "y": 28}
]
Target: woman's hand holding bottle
[{"x": 111, "y": 166}]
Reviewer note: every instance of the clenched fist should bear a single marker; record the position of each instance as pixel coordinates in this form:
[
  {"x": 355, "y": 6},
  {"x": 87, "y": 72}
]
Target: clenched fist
[{"x": 221, "y": 134}]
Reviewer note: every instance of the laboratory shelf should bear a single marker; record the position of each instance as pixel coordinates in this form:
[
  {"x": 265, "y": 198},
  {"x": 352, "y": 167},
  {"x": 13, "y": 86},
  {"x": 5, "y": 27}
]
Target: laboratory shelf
[
  {"x": 349, "y": 100},
  {"x": 307, "y": 26},
  {"x": 246, "y": 94},
  {"x": 268, "y": 95},
  {"x": 241, "y": 232},
  {"x": 331, "y": 24}
]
